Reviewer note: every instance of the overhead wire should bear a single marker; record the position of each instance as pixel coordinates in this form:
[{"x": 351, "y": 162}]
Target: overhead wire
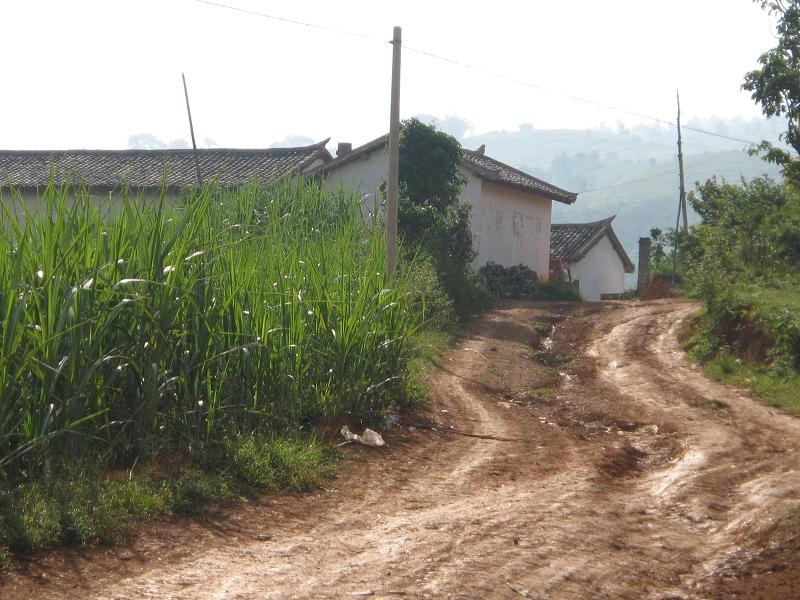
[
  {"x": 646, "y": 178},
  {"x": 263, "y": 15},
  {"x": 471, "y": 67}
]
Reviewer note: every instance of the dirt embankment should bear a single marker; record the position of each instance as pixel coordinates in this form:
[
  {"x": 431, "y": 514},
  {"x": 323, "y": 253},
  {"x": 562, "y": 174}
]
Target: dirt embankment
[{"x": 594, "y": 464}]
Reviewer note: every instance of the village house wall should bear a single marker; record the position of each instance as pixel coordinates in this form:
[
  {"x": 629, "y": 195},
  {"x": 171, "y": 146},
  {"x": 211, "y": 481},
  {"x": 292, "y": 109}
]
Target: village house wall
[
  {"x": 365, "y": 176},
  {"x": 111, "y": 203},
  {"x": 600, "y": 272},
  {"x": 512, "y": 227}
]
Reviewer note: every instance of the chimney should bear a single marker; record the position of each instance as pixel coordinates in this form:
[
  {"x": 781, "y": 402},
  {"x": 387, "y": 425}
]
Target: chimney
[
  {"x": 643, "y": 279},
  {"x": 343, "y": 149}
]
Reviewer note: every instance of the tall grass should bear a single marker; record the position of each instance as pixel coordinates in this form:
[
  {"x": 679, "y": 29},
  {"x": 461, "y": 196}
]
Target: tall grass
[{"x": 135, "y": 327}]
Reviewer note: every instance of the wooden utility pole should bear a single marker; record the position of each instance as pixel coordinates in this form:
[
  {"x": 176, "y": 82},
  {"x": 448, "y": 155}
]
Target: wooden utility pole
[
  {"x": 394, "y": 158},
  {"x": 680, "y": 168},
  {"x": 191, "y": 130}
]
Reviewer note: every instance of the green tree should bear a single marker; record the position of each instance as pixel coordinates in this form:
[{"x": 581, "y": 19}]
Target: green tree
[
  {"x": 776, "y": 85},
  {"x": 751, "y": 227},
  {"x": 431, "y": 217}
]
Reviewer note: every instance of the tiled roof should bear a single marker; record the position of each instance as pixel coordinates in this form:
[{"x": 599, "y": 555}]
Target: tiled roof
[
  {"x": 493, "y": 170},
  {"x": 570, "y": 242},
  {"x": 146, "y": 168},
  {"x": 475, "y": 161}
]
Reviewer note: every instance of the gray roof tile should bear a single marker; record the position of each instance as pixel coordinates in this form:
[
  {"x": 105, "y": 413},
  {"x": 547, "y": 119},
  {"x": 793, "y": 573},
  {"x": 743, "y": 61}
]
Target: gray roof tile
[
  {"x": 491, "y": 169},
  {"x": 570, "y": 242},
  {"x": 146, "y": 168}
]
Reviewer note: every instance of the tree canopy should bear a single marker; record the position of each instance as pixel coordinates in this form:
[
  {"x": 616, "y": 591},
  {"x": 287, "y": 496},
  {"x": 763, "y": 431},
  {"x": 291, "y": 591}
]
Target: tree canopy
[
  {"x": 431, "y": 218},
  {"x": 776, "y": 85}
]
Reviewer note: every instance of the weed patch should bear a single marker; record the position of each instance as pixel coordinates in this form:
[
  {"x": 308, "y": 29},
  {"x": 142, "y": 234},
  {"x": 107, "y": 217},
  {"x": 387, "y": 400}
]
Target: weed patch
[{"x": 82, "y": 507}]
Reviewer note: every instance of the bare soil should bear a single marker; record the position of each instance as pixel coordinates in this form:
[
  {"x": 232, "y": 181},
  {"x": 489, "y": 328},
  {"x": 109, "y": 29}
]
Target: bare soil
[{"x": 593, "y": 463}]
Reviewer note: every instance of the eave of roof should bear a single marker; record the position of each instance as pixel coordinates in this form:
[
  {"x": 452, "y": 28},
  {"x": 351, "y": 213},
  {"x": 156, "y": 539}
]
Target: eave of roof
[
  {"x": 594, "y": 231},
  {"x": 495, "y": 171},
  {"x": 362, "y": 151}
]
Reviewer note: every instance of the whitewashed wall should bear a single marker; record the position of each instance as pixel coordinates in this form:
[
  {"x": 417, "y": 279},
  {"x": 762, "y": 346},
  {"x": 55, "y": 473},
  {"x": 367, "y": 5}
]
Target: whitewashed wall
[
  {"x": 600, "y": 272},
  {"x": 512, "y": 228},
  {"x": 509, "y": 227},
  {"x": 109, "y": 202},
  {"x": 364, "y": 175}
]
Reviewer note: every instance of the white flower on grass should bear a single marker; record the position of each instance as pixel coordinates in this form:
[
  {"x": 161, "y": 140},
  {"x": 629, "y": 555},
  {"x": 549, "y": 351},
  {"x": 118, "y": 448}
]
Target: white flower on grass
[
  {"x": 168, "y": 269},
  {"x": 40, "y": 274}
]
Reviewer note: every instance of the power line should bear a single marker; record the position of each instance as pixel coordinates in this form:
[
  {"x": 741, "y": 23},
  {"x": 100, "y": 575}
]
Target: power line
[
  {"x": 256, "y": 13},
  {"x": 640, "y": 179},
  {"x": 495, "y": 74},
  {"x": 574, "y": 97},
  {"x": 626, "y": 183}
]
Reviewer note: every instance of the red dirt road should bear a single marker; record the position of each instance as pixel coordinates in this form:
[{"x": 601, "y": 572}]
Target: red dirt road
[{"x": 597, "y": 464}]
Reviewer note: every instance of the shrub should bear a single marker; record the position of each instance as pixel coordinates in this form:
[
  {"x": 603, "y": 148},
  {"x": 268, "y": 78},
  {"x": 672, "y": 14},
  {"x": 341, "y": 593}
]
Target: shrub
[{"x": 559, "y": 290}]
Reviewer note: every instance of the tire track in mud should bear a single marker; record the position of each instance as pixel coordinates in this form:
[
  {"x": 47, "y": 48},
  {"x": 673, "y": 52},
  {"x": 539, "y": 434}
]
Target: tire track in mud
[{"x": 636, "y": 478}]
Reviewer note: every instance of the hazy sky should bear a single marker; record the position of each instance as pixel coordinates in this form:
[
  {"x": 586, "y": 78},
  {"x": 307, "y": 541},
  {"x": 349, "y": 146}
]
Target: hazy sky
[{"x": 88, "y": 74}]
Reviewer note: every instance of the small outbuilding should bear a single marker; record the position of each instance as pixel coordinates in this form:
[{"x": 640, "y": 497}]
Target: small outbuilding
[{"x": 591, "y": 255}]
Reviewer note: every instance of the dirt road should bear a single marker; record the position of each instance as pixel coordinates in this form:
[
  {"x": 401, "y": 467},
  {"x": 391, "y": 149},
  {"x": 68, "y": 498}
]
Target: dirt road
[{"x": 594, "y": 463}]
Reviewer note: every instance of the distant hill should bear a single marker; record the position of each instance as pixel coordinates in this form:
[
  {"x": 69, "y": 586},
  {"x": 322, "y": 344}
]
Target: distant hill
[{"x": 632, "y": 173}]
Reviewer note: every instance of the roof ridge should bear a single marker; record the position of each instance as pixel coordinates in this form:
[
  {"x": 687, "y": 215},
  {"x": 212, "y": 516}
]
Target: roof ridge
[
  {"x": 310, "y": 147},
  {"x": 601, "y": 221}
]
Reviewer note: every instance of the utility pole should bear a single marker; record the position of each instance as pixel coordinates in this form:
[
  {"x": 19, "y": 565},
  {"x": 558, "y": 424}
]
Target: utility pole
[
  {"x": 682, "y": 208},
  {"x": 394, "y": 158},
  {"x": 191, "y": 130}
]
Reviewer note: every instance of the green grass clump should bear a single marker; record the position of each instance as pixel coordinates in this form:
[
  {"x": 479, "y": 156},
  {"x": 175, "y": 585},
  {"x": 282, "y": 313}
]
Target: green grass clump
[
  {"x": 277, "y": 464},
  {"x": 775, "y": 388},
  {"x": 428, "y": 347},
  {"x": 82, "y": 506},
  {"x": 559, "y": 290}
]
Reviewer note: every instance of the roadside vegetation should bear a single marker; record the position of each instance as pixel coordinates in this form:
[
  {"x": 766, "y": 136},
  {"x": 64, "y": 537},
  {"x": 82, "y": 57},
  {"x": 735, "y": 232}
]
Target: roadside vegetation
[
  {"x": 153, "y": 357},
  {"x": 743, "y": 259}
]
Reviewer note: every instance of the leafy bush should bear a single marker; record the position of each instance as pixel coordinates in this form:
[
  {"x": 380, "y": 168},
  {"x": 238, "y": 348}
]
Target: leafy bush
[
  {"x": 559, "y": 290},
  {"x": 741, "y": 261},
  {"x": 431, "y": 219}
]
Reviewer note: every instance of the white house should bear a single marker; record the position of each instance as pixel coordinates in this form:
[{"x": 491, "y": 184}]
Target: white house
[
  {"x": 590, "y": 254},
  {"x": 511, "y": 210}
]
